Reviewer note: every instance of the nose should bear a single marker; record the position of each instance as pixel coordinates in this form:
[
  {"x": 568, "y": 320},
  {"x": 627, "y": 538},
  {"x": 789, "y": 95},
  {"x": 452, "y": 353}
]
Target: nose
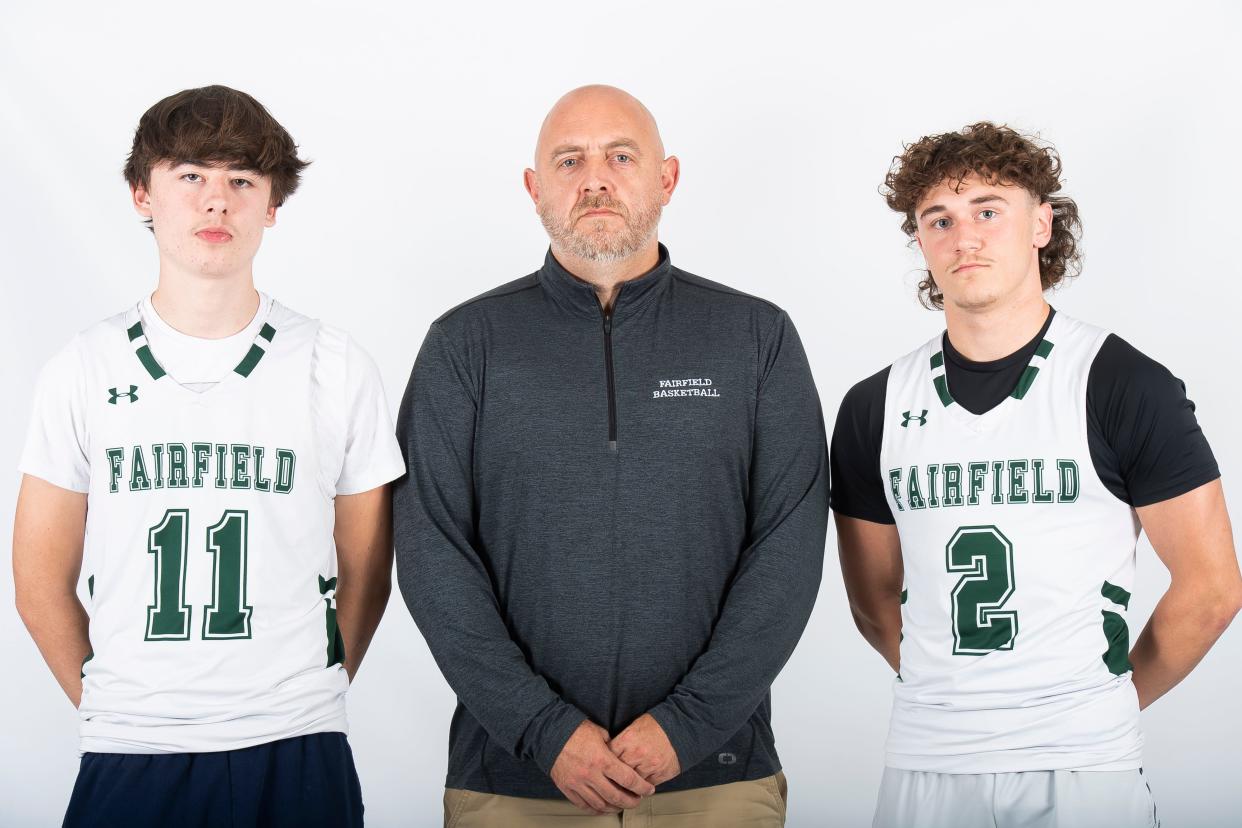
[
  {"x": 216, "y": 196},
  {"x": 596, "y": 179},
  {"x": 968, "y": 238}
]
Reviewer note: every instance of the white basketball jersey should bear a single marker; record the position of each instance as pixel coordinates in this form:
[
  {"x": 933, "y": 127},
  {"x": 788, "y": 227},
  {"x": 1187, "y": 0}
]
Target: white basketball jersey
[
  {"x": 1018, "y": 569},
  {"x": 209, "y": 543}
]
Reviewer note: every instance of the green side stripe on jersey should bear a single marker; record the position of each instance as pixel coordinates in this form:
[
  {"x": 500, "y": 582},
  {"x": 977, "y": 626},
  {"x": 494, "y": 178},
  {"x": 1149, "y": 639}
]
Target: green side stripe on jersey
[
  {"x": 1116, "y": 594},
  {"x": 267, "y": 332},
  {"x": 1025, "y": 383},
  {"x": 135, "y": 331},
  {"x": 942, "y": 388},
  {"x": 937, "y": 360},
  {"x": 1043, "y": 348},
  {"x": 90, "y": 587},
  {"x": 905, "y": 593},
  {"x": 148, "y": 362}
]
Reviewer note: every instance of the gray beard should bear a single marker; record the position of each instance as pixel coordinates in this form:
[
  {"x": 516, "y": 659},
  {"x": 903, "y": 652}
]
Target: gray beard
[{"x": 597, "y": 245}]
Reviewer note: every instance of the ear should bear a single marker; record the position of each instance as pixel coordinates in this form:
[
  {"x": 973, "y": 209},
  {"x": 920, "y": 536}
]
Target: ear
[
  {"x": 670, "y": 174},
  {"x": 142, "y": 199},
  {"x": 270, "y": 218},
  {"x": 1043, "y": 224},
  {"x": 531, "y": 182},
  {"x": 919, "y": 240}
]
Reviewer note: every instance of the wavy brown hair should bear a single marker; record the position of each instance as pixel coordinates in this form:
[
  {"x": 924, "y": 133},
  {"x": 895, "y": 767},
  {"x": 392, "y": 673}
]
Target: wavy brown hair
[
  {"x": 998, "y": 155},
  {"x": 215, "y": 125}
]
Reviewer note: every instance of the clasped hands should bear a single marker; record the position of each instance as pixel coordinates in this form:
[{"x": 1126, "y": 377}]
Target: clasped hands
[{"x": 604, "y": 776}]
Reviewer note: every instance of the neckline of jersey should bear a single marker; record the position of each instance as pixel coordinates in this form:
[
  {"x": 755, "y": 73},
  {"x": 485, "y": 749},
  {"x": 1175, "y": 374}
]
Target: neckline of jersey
[
  {"x": 258, "y": 348},
  {"x": 1040, "y": 353}
]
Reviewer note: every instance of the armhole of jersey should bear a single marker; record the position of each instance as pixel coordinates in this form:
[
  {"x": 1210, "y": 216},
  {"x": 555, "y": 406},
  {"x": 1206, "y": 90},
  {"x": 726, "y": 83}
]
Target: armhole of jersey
[
  {"x": 883, "y": 444},
  {"x": 329, "y": 403},
  {"x": 1093, "y": 354},
  {"x": 80, "y": 396}
]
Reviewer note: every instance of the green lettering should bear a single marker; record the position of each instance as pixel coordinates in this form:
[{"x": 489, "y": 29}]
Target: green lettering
[
  {"x": 116, "y": 456},
  {"x": 241, "y": 457}
]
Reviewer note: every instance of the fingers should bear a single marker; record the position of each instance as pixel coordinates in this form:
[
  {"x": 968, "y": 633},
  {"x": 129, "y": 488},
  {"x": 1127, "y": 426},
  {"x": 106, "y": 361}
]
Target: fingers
[
  {"x": 579, "y": 803},
  {"x": 628, "y": 778},
  {"x": 660, "y": 776},
  {"x": 616, "y": 798}
]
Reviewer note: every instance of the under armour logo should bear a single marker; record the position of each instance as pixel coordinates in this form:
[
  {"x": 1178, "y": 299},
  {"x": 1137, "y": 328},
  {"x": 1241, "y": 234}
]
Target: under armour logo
[
  {"x": 131, "y": 395},
  {"x": 922, "y": 418}
]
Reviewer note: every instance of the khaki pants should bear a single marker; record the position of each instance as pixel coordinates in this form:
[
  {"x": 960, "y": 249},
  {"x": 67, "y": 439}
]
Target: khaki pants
[{"x": 757, "y": 804}]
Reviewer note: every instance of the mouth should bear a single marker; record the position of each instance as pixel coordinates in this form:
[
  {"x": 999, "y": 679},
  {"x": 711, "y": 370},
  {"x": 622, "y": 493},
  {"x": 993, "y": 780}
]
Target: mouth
[
  {"x": 597, "y": 214},
  {"x": 214, "y": 235},
  {"x": 968, "y": 266}
]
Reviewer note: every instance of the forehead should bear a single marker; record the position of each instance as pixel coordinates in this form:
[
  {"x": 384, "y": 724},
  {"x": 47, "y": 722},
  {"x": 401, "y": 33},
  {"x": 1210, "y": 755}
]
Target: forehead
[
  {"x": 954, "y": 192},
  {"x": 593, "y": 124}
]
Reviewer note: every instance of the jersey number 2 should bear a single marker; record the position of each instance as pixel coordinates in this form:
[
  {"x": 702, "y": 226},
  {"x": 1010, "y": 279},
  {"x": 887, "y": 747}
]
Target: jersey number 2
[
  {"x": 984, "y": 556},
  {"x": 228, "y": 614}
]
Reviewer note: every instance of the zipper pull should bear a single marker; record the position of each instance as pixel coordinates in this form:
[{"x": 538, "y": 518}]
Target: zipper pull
[{"x": 608, "y": 323}]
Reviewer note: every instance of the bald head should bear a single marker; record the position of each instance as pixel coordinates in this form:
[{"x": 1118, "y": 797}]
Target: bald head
[
  {"x": 600, "y": 178},
  {"x": 594, "y": 111}
]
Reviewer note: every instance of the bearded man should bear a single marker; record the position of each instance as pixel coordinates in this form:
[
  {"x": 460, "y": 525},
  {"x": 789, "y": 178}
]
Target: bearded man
[{"x": 612, "y": 529}]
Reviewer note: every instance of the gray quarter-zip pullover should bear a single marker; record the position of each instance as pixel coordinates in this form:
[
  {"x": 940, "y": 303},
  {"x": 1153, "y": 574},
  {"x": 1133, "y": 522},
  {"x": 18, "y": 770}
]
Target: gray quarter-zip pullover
[{"x": 609, "y": 515}]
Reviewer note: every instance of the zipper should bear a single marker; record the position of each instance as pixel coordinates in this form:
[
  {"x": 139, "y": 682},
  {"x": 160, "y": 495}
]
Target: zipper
[{"x": 612, "y": 386}]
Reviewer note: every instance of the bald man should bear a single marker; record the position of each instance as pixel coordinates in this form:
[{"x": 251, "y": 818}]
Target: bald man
[{"x": 613, "y": 525}]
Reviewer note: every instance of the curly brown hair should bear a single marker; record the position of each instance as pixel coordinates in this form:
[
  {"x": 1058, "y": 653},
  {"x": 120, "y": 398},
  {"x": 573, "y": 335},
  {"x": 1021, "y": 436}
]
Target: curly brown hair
[
  {"x": 215, "y": 124},
  {"x": 998, "y": 155}
]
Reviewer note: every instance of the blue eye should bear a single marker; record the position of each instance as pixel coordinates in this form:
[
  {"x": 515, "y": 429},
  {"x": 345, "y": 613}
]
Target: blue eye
[
  {"x": 941, "y": 224},
  {"x": 192, "y": 177},
  {"x": 622, "y": 157},
  {"x": 987, "y": 214},
  {"x": 568, "y": 162}
]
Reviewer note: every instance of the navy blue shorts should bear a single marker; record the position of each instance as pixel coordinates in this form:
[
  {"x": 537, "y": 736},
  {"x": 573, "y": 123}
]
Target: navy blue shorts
[{"x": 304, "y": 781}]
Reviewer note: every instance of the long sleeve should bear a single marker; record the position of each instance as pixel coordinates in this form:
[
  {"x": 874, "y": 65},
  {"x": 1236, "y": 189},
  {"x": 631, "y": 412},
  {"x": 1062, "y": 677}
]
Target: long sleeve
[
  {"x": 441, "y": 569},
  {"x": 771, "y": 595}
]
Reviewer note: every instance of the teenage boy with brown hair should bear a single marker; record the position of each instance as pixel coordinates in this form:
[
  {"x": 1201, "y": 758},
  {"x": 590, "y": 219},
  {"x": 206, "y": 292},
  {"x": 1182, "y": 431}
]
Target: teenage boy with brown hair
[
  {"x": 217, "y": 465},
  {"x": 989, "y": 489}
]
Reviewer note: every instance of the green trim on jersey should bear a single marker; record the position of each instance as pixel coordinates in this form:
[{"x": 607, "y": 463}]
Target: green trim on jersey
[
  {"x": 336, "y": 644},
  {"x": 941, "y": 382},
  {"x": 1116, "y": 632},
  {"x": 148, "y": 360}
]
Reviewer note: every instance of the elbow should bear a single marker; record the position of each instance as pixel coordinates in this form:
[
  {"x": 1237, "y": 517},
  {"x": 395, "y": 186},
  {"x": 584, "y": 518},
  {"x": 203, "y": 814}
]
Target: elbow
[
  {"x": 862, "y": 622},
  {"x": 1216, "y": 608},
  {"x": 1227, "y": 606},
  {"x": 27, "y": 606}
]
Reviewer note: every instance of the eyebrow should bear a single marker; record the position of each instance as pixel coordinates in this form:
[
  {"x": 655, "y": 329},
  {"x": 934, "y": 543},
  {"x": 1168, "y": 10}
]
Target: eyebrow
[
  {"x": 627, "y": 143},
  {"x": 940, "y": 208},
  {"x": 227, "y": 166}
]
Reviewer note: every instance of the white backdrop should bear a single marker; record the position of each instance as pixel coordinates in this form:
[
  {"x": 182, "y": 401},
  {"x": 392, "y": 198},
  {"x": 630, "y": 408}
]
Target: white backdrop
[{"x": 785, "y": 117}]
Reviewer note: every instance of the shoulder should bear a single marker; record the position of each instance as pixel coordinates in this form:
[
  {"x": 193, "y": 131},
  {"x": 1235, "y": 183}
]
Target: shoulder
[
  {"x": 97, "y": 344},
  {"x": 500, "y": 298},
  {"x": 1121, "y": 372},
  {"x": 715, "y": 293},
  {"x": 867, "y": 395}
]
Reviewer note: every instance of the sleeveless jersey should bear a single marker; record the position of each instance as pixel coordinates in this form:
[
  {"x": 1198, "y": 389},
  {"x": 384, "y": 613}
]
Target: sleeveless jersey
[
  {"x": 209, "y": 545},
  {"x": 1018, "y": 569}
]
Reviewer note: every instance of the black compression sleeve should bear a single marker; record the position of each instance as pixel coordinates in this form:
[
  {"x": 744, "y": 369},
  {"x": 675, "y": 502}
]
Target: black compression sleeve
[
  {"x": 857, "y": 481},
  {"x": 1145, "y": 442}
]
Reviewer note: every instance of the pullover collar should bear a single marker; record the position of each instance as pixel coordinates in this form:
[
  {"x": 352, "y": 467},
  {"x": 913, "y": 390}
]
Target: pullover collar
[{"x": 579, "y": 297}]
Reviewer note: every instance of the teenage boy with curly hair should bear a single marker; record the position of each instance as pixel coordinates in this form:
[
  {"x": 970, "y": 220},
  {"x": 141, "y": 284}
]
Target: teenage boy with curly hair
[{"x": 989, "y": 489}]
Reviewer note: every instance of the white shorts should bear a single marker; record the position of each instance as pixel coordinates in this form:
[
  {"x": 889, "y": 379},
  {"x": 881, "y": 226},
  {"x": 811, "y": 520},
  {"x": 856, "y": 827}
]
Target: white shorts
[{"x": 1033, "y": 799}]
